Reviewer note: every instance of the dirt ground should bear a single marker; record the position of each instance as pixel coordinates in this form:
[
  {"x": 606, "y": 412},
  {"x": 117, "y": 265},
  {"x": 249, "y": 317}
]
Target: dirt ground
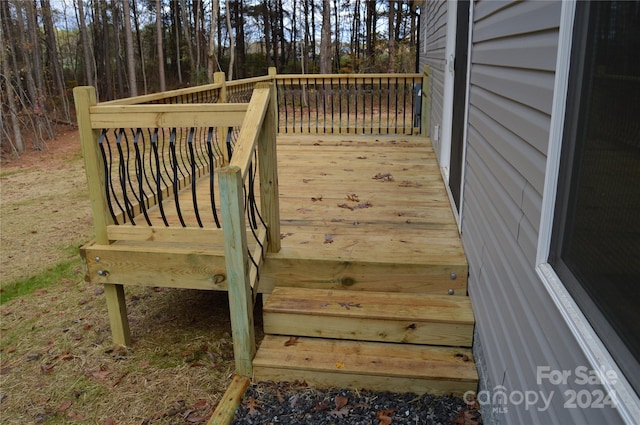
[
  {"x": 57, "y": 361},
  {"x": 44, "y": 207}
]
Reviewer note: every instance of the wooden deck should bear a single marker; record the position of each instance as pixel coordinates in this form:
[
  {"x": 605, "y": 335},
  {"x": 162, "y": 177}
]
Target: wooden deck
[{"x": 364, "y": 212}]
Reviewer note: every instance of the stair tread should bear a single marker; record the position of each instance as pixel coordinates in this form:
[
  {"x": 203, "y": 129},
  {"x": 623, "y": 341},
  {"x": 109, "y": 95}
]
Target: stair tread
[
  {"x": 371, "y": 305},
  {"x": 366, "y": 358}
]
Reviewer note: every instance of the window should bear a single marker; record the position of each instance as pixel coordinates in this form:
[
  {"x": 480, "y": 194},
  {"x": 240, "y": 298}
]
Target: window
[{"x": 595, "y": 247}]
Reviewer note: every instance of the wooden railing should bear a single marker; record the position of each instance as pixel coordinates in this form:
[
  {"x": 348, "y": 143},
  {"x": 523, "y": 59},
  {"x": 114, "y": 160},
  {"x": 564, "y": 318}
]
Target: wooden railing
[
  {"x": 142, "y": 153},
  {"x": 350, "y": 103},
  {"x": 139, "y": 156}
]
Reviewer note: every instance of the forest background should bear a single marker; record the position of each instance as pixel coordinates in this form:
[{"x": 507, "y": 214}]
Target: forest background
[{"x": 131, "y": 47}]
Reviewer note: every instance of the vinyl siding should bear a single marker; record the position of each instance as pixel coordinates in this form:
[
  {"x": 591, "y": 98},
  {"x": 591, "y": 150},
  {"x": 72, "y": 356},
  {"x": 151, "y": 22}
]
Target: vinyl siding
[
  {"x": 513, "y": 60},
  {"x": 434, "y": 18}
]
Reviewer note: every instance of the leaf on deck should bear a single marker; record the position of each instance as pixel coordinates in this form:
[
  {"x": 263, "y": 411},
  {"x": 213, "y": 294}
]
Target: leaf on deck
[
  {"x": 349, "y": 305},
  {"x": 386, "y": 177},
  {"x": 328, "y": 238},
  {"x": 291, "y": 341},
  {"x": 316, "y": 198},
  {"x": 352, "y": 197}
]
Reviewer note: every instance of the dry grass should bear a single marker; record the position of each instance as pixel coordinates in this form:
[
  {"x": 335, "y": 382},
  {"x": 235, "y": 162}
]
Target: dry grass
[{"x": 57, "y": 361}]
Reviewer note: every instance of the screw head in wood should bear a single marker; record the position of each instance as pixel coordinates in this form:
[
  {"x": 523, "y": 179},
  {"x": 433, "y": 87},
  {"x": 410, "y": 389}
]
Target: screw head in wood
[
  {"x": 453, "y": 276},
  {"x": 97, "y": 259},
  {"x": 451, "y": 292}
]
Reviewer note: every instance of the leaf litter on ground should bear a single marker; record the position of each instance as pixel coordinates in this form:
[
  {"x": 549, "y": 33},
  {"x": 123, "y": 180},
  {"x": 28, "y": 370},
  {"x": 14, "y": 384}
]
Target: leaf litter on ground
[{"x": 305, "y": 404}]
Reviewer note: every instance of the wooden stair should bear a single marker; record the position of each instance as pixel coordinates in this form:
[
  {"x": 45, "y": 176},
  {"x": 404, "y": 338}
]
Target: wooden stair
[{"x": 357, "y": 339}]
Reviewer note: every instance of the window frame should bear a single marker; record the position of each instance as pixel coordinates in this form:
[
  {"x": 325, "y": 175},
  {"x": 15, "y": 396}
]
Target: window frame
[{"x": 622, "y": 393}]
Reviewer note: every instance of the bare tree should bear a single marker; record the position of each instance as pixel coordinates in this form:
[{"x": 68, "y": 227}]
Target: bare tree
[
  {"x": 232, "y": 42},
  {"x": 163, "y": 82},
  {"x": 325, "y": 39},
  {"x": 17, "y": 144},
  {"x": 128, "y": 42},
  {"x": 211, "y": 54}
]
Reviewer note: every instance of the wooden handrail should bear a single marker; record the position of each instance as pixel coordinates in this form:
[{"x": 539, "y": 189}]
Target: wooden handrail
[{"x": 174, "y": 115}]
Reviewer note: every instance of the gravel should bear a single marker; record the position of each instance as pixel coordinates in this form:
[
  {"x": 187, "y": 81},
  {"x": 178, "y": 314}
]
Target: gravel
[{"x": 295, "y": 403}]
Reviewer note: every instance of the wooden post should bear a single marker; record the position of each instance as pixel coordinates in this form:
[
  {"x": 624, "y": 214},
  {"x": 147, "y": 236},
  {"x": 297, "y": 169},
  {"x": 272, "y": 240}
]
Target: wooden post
[
  {"x": 268, "y": 167},
  {"x": 237, "y": 260},
  {"x": 274, "y": 94},
  {"x": 219, "y": 77},
  {"x": 85, "y": 97},
  {"x": 426, "y": 102}
]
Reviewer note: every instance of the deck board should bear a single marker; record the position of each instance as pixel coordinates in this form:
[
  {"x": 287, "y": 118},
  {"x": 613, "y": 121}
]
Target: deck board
[{"x": 405, "y": 219}]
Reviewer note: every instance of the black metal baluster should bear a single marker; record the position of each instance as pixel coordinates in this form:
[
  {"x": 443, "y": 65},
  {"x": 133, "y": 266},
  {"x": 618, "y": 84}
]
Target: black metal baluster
[
  {"x": 174, "y": 166},
  {"x": 107, "y": 173},
  {"x": 123, "y": 164},
  {"x": 194, "y": 177},
  {"x": 140, "y": 176},
  {"x": 158, "y": 176},
  {"x": 212, "y": 174}
]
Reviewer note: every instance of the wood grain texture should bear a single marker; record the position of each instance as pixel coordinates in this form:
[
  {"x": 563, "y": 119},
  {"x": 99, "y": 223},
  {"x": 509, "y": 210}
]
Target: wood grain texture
[
  {"x": 370, "y": 316},
  {"x": 368, "y": 365},
  {"x": 226, "y": 410}
]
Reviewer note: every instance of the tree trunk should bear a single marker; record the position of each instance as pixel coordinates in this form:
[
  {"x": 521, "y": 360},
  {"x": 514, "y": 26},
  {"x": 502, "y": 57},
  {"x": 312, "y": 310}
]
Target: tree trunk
[
  {"x": 128, "y": 41},
  {"x": 54, "y": 59},
  {"x": 392, "y": 34},
  {"x": 232, "y": 47},
  {"x": 86, "y": 48},
  {"x": 139, "y": 41},
  {"x": 211, "y": 55},
  {"x": 187, "y": 39},
  {"x": 17, "y": 145},
  {"x": 163, "y": 83},
  {"x": 325, "y": 39}
]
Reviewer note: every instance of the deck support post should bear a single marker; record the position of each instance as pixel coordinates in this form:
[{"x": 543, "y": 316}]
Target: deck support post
[
  {"x": 219, "y": 77},
  {"x": 84, "y": 98},
  {"x": 426, "y": 103},
  {"x": 237, "y": 260},
  {"x": 268, "y": 167}
]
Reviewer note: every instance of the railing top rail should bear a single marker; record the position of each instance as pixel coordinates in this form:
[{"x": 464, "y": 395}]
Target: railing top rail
[
  {"x": 108, "y": 115},
  {"x": 145, "y": 98},
  {"x": 252, "y": 80},
  {"x": 346, "y": 76}
]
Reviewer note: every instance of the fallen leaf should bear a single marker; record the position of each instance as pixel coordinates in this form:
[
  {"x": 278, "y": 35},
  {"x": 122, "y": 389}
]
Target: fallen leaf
[
  {"x": 339, "y": 365},
  {"x": 200, "y": 404},
  {"x": 463, "y": 357},
  {"x": 279, "y": 396},
  {"x": 306, "y": 180},
  {"x": 340, "y": 401},
  {"x": 321, "y": 406},
  {"x": 362, "y": 157},
  {"x": 100, "y": 374},
  {"x": 65, "y": 405},
  {"x": 284, "y": 235},
  {"x": 252, "y": 404},
  {"x": 387, "y": 177},
  {"x": 339, "y": 413},
  {"x": 328, "y": 238},
  {"x": 385, "y": 416},
  {"x": 407, "y": 183},
  {"x": 316, "y": 198},
  {"x": 195, "y": 418},
  {"x": 345, "y": 206},
  {"x": 466, "y": 417},
  {"x": 47, "y": 367},
  {"x": 352, "y": 197},
  {"x": 11, "y": 349},
  {"x": 291, "y": 341},
  {"x": 109, "y": 421},
  {"x": 349, "y": 305},
  {"x": 39, "y": 292},
  {"x": 75, "y": 416}
]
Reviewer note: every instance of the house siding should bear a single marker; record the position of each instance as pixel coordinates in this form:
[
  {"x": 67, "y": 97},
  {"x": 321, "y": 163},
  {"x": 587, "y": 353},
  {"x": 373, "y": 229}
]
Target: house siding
[
  {"x": 512, "y": 75},
  {"x": 434, "y": 25}
]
